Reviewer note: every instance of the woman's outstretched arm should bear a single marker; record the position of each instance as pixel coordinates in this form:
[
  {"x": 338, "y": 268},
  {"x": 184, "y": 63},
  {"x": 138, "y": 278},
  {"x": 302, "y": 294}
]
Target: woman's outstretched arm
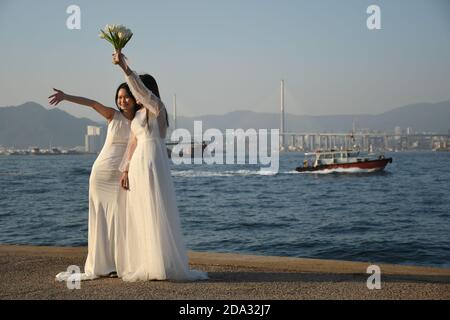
[{"x": 106, "y": 112}]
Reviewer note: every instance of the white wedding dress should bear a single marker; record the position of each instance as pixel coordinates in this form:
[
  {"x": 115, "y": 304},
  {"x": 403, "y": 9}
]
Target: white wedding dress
[
  {"x": 106, "y": 204},
  {"x": 154, "y": 248}
]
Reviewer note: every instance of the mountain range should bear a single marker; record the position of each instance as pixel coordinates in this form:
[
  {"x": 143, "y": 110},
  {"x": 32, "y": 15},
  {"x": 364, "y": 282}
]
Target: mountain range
[
  {"x": 31, "y": 124},
  {"x": 421, "y": 117}
]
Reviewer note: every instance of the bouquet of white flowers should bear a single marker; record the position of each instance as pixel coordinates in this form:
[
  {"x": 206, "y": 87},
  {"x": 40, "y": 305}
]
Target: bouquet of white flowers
[{"x": 117, "y": 35}]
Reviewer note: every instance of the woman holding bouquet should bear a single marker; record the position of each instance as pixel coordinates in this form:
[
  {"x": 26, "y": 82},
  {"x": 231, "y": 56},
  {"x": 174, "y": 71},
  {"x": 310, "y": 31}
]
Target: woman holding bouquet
[
  {"x": 106, "y": 198},
  {"x": 154, "y": 246}
]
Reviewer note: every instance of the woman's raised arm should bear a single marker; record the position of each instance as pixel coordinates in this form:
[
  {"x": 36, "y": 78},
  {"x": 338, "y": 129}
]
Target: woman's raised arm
[
  {"x": 140, "y": 92},
  {"x": 106, "y": 112}
]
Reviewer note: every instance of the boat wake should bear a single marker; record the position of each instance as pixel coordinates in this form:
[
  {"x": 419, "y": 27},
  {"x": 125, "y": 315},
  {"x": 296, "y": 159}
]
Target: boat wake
[
  {"x": 340, "y": 170},
  {"x": 230, "y": 173}
]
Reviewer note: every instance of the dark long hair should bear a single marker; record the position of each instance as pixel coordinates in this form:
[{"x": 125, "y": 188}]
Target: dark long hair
[
  {"x": 151, "y": 85},
  {"x": 125, "y": 86}
]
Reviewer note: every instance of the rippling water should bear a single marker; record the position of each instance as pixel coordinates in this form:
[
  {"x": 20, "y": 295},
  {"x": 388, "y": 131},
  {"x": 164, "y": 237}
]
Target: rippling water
[{"x": 400, "y": 215}]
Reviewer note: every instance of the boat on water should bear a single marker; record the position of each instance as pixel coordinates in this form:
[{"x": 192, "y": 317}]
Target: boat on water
[
  {"x": 342, "y": 160},
  {"x": 441, "y": 150},
  {"x": 189, "y": 149}
]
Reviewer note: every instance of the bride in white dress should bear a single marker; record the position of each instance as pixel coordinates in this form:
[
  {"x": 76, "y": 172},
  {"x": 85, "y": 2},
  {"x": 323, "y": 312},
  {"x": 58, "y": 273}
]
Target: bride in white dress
[
  {"x": 106, "y": 198},
  {"x": 154, "y": 246}
]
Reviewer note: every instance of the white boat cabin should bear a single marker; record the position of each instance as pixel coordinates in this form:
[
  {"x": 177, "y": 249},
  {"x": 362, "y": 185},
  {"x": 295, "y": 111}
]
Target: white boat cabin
[{"x": 331, "y": 157}]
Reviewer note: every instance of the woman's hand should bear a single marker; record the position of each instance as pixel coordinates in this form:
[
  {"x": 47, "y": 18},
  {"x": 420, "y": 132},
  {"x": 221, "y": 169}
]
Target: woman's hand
[
  {"x": 57, "y": 97},
  {"x": 119, "y": 59},
  {"x": 124, "y": 181},
  {"x": 116, "y": 57}
]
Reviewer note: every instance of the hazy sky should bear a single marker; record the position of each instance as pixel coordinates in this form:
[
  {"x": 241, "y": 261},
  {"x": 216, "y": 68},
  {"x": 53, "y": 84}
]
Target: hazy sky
[{"x": 221, "y": 56}]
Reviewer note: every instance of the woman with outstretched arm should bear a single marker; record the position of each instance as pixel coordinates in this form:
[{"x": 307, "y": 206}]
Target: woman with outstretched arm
[{"x": 106, "y": 198}]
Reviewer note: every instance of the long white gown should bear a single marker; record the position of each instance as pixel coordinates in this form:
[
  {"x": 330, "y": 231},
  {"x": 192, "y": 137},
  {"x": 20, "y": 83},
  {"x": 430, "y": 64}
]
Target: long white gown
[
  {"x": 106, "y": 204},
  {"x": 154, "y": 246}
]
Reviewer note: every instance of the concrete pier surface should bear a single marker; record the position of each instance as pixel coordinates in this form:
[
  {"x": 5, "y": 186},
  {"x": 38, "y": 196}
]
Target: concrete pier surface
[{"x": 28, "y": 272}]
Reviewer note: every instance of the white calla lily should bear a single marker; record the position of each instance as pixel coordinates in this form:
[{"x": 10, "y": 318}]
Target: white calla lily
[{"x": 117, "y": 34}]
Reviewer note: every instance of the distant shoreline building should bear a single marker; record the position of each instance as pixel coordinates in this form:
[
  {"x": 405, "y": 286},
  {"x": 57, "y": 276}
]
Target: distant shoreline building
[{"x": 93, "y": 140}]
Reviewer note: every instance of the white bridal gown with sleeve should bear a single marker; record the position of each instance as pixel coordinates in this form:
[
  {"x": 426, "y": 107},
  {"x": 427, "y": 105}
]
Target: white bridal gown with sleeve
[
  {"x": 154, "y": 248},
  {"x": 106, "y": 204}
]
